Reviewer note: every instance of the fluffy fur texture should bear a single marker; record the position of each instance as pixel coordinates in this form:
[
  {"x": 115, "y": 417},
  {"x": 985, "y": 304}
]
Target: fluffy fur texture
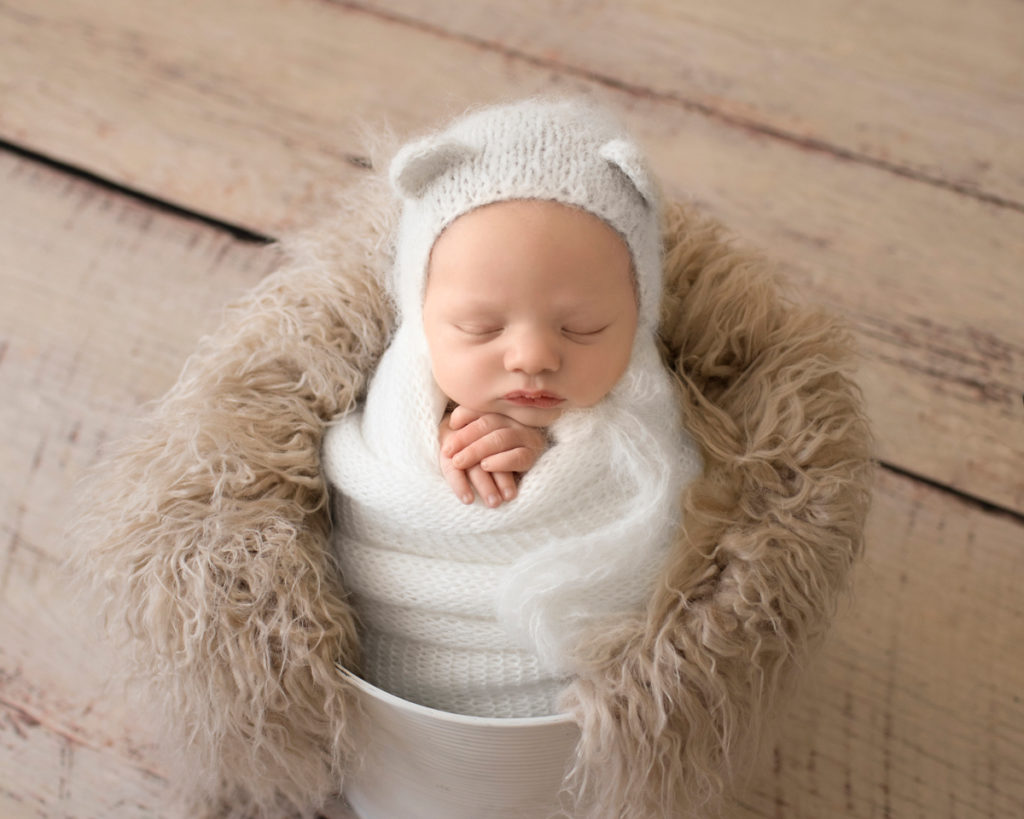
[{"x": 206, "y": 534}]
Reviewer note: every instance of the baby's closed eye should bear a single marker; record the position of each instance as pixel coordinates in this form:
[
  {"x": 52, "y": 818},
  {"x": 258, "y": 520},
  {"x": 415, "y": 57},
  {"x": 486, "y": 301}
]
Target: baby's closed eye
[
  {"x": 485, "y": 329},
  {"x": 584, "y": 333}
]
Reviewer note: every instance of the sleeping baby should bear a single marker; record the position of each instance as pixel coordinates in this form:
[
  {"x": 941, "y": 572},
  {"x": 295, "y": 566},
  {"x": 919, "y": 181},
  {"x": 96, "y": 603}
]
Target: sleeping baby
[{"x": 513, "y": 478}]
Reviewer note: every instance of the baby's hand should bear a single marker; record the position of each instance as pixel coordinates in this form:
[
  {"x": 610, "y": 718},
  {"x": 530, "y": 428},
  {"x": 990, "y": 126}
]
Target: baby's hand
[{"x": 485, "y": 452}]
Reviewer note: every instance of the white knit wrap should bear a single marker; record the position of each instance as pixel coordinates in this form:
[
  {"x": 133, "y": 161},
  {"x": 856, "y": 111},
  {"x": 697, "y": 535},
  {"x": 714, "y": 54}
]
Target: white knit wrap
[{"x": 476, "y": 610}]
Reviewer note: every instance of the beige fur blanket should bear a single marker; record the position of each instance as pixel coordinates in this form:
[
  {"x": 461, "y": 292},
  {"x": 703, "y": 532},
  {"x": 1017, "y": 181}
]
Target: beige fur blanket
[{"x": 206, "y": 534}]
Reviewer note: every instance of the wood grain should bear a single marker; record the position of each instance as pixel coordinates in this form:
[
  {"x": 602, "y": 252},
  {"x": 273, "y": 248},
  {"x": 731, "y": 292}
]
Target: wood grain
[
  {"x": 913, "y": 708},
  {"x": 103, "y": 300},
  {"x": 248, "y": 117},
  {"x": 69, "y": 744},
  {"x": 927, "y": 88}
]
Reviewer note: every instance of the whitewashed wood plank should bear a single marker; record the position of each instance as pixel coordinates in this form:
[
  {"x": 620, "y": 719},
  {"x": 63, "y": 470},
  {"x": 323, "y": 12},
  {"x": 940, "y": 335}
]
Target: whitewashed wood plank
[
  {"x": 913, "y": 708},
  {"x": 103, "y": 299},
  {"x": 931, "y": 88},
  {"x": 70, "y": 746},
  {"x": 43, "y": 773}
]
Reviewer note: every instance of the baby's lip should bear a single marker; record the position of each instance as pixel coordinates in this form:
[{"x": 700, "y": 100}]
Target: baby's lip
[{"x": 534, "y": 398}]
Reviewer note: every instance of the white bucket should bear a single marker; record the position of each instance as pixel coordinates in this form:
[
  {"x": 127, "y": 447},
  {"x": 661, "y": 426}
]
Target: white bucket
[{"x": 421, "y": 763}]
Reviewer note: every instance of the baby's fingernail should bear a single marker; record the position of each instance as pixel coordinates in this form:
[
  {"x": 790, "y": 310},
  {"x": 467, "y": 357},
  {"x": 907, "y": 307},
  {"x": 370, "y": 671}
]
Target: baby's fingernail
[
  {"x": 467, "y": 498},
  {"x": 509, "y": 494},
  {"x": 493, "y": 500}
]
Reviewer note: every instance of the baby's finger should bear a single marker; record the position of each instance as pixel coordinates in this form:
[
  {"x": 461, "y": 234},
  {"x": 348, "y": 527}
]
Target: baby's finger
[
  {"x": 519, "y": 459},
  {"x": 460, "y": 416},
  {"x": 472, "y": 432},
  {"x": 494, "y": 441},
  {"x": 506, "y": 483},
  {"x": 458, "y": 481},
  {"x": 485, "y": 487}
]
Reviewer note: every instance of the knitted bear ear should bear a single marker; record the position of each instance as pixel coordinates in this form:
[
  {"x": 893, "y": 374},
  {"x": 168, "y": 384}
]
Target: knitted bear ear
[
  {"x": 419, "y": 163},
  {"x": 625, "y": 156}
]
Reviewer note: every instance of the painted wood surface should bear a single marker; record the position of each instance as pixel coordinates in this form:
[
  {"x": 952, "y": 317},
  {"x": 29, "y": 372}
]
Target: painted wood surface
[
  {"x": 914, "y": 707},
  {"x": 102, "y": 300},
  {"x": 931, "y": 89},
  {"x": 251, "y": 117}
]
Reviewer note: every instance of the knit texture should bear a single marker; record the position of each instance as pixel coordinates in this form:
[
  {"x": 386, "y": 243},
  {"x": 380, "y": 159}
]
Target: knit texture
[
  {"x": 477, "y": 610},
  {"x": 567, "y": 151}
]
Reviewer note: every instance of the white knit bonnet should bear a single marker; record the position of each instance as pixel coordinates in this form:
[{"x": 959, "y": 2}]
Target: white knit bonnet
[{"x": 562, "y": 150}]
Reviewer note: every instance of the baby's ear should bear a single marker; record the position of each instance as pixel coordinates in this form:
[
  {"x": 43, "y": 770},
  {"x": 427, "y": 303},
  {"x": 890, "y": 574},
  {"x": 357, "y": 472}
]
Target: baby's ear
[
  {"x": 624, "y": 155},
  {"x": 420, "y": 163}
]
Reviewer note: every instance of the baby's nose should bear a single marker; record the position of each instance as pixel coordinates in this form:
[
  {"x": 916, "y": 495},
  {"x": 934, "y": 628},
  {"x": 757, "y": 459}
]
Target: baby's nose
[{"x": 532, "y": 352}]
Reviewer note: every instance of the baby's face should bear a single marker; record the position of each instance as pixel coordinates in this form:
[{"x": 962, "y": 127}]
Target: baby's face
[{"x": 529, "y": 310}]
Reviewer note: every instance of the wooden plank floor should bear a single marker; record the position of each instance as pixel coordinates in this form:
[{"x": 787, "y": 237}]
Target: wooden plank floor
[{"x": 873, "y": 149}]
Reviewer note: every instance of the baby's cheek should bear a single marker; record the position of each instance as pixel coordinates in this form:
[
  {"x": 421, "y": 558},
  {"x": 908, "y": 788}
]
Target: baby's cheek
[
  {"x": 456, "y": 377},
  {"x": 602, "y": 374}
]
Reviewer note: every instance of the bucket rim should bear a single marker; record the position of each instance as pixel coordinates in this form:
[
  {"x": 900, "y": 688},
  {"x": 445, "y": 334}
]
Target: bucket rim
[{"x": 448, "y": 717}]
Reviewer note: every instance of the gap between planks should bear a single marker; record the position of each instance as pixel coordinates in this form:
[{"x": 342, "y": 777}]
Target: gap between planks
[{"x": 239, "y": 232}]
